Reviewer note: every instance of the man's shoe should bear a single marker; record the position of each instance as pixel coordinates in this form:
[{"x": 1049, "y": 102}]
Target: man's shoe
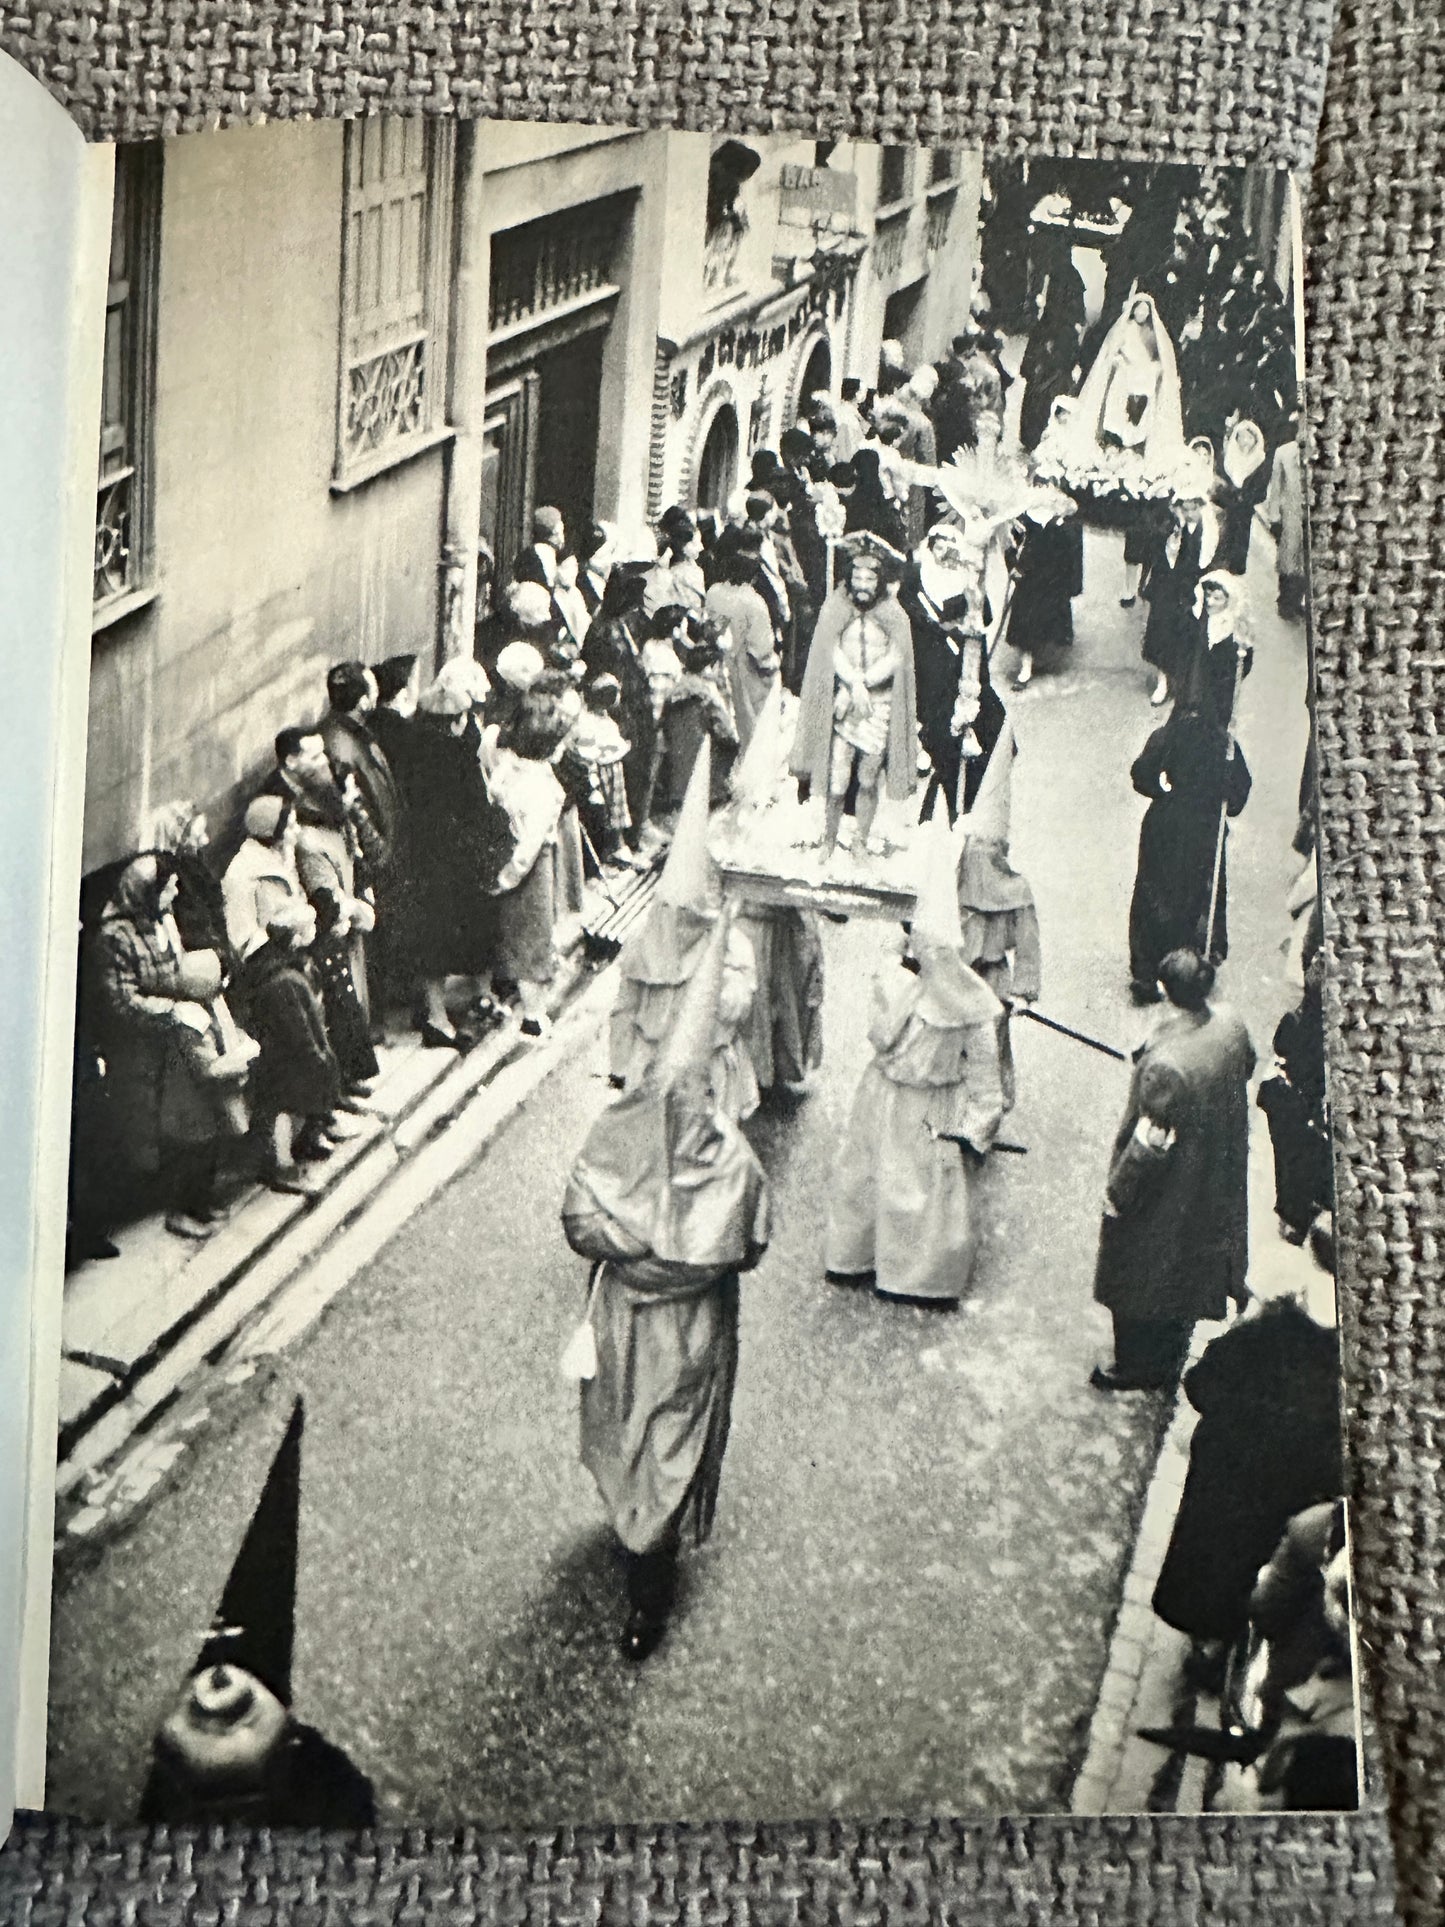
[
  {"x": 182, "y": 1225},
  {"x": 1104, "y": 1378},
  {"x": 641, "y": 1636}
]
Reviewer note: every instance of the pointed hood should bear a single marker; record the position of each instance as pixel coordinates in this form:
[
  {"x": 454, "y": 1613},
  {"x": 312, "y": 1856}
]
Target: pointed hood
[
  {"x": 687, "y": 1053},
  {"x": 665, "y": 947},
  {"x": 672, "y": 1172},
  {"x": 690, "y": 878},
  {"x": 950, "y": 995},
  {"x": 935, "y": 913},
  {"x": 986, "y": 880},
  {"x": 988, "y": 820},
  {"x": 761, "y": 767},
  {"x": 255, "y": 1623}
]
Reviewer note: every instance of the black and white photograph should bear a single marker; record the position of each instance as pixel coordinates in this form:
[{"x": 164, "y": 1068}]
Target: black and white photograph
[{"x": 701, "y": 1168}]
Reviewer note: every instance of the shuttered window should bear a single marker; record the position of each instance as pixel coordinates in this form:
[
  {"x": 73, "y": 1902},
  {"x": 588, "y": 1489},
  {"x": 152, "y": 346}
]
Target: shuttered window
[
  {"x": 395, "y": 251},
  {"x": 123, "y": 557}
]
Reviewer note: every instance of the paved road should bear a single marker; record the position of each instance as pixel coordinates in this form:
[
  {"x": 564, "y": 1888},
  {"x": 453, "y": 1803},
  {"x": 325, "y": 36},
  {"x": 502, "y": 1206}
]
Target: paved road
[{"x": 924, "y": 1519}]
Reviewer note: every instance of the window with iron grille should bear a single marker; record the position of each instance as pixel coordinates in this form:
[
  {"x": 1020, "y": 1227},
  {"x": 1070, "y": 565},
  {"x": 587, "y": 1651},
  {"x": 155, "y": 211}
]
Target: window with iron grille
[
  {"x": 123, "y": 558},
  {"x": 561, "y": 260},
  {"x": 394, "y": 259}
]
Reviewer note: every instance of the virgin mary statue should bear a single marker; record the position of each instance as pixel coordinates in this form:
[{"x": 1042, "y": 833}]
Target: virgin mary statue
[{"x": 1130, "y": 397}]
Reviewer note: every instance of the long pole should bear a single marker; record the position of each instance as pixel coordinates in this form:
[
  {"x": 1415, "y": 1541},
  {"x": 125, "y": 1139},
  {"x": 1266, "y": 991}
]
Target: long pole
[
  {"x": 1223, "y": 802},
  {"x": 1066, "y": 1030}
]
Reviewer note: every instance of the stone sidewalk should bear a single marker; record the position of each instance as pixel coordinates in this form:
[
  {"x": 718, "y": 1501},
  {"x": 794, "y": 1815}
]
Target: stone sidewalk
[{"x": 142, "y": 1329}]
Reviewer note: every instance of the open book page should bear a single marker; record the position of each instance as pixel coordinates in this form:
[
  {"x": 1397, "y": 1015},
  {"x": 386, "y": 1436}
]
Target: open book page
[
  {"x": 54, "y": 221},
  {"x": 702, "y": 1155}
]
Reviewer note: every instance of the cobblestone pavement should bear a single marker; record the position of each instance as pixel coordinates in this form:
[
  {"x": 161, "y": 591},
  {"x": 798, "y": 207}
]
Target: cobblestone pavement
[{"x": 925, "y": 1521}]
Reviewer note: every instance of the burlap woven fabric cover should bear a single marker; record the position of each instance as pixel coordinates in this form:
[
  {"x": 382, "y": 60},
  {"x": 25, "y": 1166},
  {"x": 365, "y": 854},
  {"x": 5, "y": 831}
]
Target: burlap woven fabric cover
[{"x": 1192, "y": 80}]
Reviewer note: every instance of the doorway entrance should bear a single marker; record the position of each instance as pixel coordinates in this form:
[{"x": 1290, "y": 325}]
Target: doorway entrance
[
  {"x": 817, "y": 373},
  {"x": 553, "y": 298},
  {"x": 717, "y": 465},
  {"x": 903, "y": 320}
]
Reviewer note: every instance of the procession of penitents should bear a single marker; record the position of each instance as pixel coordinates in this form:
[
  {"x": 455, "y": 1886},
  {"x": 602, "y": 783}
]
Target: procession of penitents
[{"x": 720, "y": 1004}]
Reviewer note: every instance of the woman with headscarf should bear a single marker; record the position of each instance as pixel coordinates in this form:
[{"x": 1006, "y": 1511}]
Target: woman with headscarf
[
  {"x": 904, "y": 1211},
  {"x": 178, "y": 1059},
  {"x": 1185, "y": 550},
  {"x": 1195, "y": 777},
  {"x": 1050, "y": 364},
  {"x": 669, "y": 1202},
  {"x": 262, "y": 874},
  {"x": 869, "y": 504},
  {"x": 1224, "y": 654},
  {"x": 1240, "y": 489},
  {"x": 180, "y": 832}
]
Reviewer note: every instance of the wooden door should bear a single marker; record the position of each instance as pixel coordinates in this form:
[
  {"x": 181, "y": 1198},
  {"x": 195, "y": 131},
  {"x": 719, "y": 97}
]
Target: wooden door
[{"x": 509, "y": 468}]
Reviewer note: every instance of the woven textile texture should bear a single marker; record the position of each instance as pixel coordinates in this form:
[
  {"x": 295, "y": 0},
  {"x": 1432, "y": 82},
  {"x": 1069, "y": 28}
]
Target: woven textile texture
[{"x": 1194, "y": 80}]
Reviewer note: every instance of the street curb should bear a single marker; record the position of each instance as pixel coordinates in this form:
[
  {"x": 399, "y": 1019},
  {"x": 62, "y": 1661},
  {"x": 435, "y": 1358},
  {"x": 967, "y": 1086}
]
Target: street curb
[
  {"x": 287, "y": 1281},
  {"x": 1119, "y": 1770}
]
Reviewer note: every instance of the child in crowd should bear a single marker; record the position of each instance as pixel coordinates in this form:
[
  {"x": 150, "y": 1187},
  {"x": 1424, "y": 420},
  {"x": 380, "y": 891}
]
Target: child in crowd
[
  {"x": 696, "y": 705},
  {"x": 296, "y": 1080},
  {"x": 596, "y": 748}
]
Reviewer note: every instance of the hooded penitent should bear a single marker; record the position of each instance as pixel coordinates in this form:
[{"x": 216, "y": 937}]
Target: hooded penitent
[
  {"x": 759, "y": 772},
  {"x": 667, "y": 1193},
  {"x": 986, "y": 880},
  {"x": 926, "y": 1110},
  {"x": 255, "y": 1623},
  {"x": 665, "y": 947},
  {"x": 951, "y": 995},
  {"x": 665, "y": 1164}
]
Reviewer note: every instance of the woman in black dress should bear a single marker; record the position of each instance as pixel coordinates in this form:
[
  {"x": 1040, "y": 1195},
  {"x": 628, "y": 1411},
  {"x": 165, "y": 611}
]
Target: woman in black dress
[
  {"x": 1050, "y": 365},
  {"x": 1171, "y": 634},
  {"x": 1193, "y": 777},
  {"x": 1048, "y": 572}
]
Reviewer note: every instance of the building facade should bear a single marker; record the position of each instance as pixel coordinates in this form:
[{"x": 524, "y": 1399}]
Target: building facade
[{"x": 340, "y": 356}]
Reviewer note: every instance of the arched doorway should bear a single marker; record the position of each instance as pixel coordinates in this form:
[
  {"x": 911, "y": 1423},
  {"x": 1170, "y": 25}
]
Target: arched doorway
[
  {"x": 817, "y": 376},
  {"x": 717, "y": 464}
]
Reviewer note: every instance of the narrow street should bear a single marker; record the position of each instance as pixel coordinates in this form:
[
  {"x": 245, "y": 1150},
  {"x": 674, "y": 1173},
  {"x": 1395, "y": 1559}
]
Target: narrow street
[{"x": 925, "y": 1513}]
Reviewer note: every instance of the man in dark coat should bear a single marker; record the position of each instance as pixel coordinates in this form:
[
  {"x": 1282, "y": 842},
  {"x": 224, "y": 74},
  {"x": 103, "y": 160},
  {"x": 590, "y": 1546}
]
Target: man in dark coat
[
  {"x": 960, "y": 713},
  {"x": 353, "y": 750},
  {"x": 1267, "y": 1445},
  {"x": 1173, "y": 1244},
  {"x": 1194, "y": 776}
]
